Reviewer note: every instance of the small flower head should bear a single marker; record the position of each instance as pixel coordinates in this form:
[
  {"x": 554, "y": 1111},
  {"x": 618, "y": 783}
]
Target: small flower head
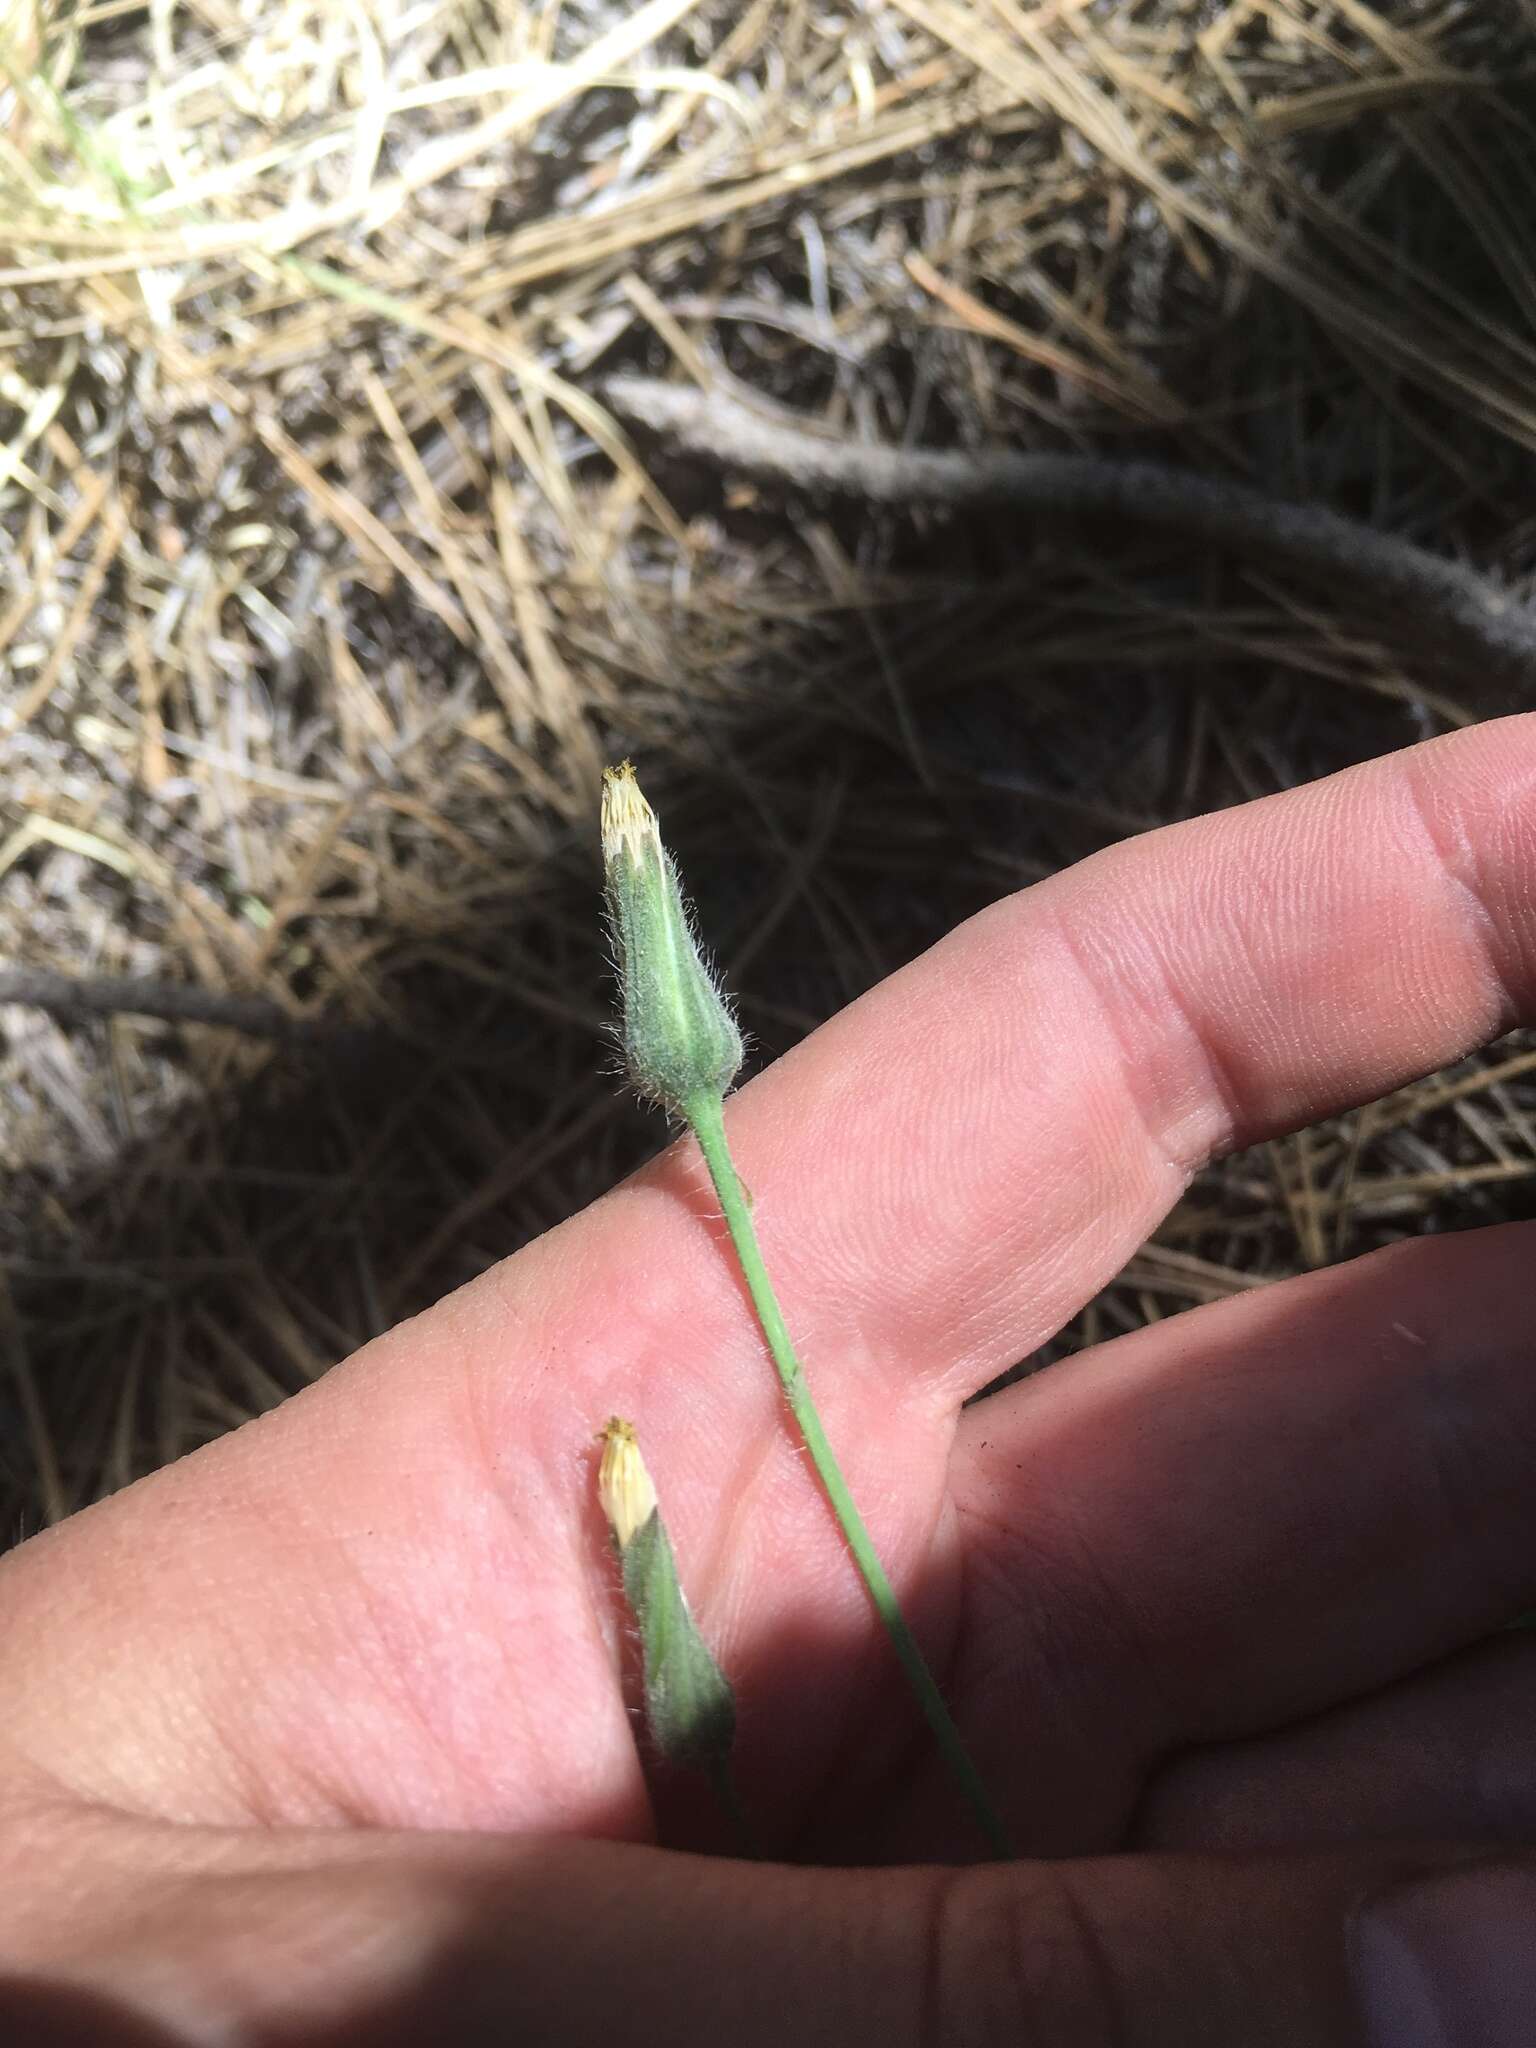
[
  {"x": 680, "y": 1039},
  {"x": 623, "y": 1484},
  {"x": 629, "y": 823}
]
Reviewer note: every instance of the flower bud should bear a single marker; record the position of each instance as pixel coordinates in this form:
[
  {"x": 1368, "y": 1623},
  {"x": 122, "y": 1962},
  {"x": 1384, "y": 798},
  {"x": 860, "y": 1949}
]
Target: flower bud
[
  {"x": 680, "y": 1040},
  {"x": 690, "y": 1709},
  {"x": 623, "y": 1485}
]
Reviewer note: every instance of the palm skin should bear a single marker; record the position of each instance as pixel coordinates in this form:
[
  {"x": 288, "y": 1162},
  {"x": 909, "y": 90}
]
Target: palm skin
[{"x": 1216, "y": 1587}]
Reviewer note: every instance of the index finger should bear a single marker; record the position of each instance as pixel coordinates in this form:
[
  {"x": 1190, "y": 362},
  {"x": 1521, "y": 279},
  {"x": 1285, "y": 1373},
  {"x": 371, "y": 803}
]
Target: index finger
[{"x": 961, "y": 1158}]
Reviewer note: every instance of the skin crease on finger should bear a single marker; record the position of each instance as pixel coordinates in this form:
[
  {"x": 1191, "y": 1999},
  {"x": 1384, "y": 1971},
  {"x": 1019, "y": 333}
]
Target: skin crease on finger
[
  {"x": 385, "y": 1603},
  {"x": 1446, "y": 1753}
]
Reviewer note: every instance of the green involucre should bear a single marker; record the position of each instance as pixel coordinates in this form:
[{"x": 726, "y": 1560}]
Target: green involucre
[
  {"x": 689, "y": 1707},
  {"x": 679, "y": 1035}
]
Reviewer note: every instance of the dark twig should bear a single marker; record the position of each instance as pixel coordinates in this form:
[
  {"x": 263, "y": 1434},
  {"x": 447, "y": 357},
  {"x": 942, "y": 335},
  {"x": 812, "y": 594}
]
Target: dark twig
[
  {"x": 67, "y": 995},
  {"x": 1351, "y": 558}
]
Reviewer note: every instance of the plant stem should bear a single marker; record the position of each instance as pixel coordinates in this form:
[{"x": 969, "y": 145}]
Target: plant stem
[{"x": 705, "y": 1113}]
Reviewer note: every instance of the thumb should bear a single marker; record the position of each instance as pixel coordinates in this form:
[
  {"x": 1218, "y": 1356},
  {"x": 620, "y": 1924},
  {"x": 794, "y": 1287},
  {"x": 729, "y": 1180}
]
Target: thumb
[
  {"x": 1383, "y": 1949},
  {"x": 330, "y": 1939}
]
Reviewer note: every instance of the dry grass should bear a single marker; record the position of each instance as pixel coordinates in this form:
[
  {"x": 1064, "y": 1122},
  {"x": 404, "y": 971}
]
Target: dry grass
[{"x": 332, "y": 580}]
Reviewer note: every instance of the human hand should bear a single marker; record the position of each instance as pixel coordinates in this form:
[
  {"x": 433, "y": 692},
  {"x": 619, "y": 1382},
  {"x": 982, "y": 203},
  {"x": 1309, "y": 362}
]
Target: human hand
[{"x": 317, "y": 1736}]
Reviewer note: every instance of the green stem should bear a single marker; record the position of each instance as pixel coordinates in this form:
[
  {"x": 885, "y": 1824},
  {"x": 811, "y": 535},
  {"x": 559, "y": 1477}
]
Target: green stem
[{"x": 706, "y": 1115}]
